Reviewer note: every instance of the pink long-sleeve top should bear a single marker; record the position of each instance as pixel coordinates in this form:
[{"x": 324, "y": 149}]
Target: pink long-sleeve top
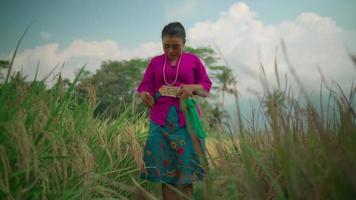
[{"x": 191, "y": 71}]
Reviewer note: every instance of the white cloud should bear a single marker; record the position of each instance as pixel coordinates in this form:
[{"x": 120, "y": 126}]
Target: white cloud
[
  {"x": 246, "y": 42},
  {"x": 45, "y": 35},
  {"x": 76, "y": 55},
  {"x": 181, "y": 10},
  {"x": 243, "y": 39}
]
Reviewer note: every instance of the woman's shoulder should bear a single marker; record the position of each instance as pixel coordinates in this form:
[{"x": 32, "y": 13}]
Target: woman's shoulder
[
  {"x": 155, "y": 61},
  {"x": 191, "y": 55},
  {"x": 194, "y": 58}
]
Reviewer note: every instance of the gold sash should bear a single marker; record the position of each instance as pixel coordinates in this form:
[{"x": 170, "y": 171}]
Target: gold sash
[{"x": 171, "y": 91}]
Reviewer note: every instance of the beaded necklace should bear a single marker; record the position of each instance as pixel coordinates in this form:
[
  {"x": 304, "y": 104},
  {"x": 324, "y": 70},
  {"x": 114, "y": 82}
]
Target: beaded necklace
[{"x": 177, "y": 71}]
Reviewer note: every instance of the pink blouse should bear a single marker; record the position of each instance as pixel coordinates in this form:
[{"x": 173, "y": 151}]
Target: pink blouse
[{"x": 191, "y": 71}]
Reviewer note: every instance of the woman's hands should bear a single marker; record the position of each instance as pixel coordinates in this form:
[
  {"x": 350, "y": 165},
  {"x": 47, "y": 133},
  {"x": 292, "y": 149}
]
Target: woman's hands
[
  {"x": 185, "y": 91},
  {"x": 189, "y": 90},
  {"x": 147, "y": 99}
]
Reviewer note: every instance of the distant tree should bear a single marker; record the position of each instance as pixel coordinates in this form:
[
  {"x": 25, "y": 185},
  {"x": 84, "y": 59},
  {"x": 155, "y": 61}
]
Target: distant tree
[
  {"x": 115, "y": 84},
  {"x": 86, "y": 74},
  {"x": 223, "y": 81},
  {"x": 4, "y": 64},
  {"x": 207, "y": 54},
  {"x": 222, "y": 75}
]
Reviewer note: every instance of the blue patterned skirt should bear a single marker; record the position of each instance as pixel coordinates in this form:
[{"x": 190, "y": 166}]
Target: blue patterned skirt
[{"x": 170, "y": 156}]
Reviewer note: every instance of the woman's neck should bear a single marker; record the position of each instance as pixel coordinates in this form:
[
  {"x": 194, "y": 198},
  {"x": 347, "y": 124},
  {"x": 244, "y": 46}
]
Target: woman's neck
[{"x": 175, "y": 60}]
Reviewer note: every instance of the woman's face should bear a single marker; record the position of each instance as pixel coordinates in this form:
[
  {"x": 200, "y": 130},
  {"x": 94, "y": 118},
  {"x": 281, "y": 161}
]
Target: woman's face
[{"x": 172, "y": 46}]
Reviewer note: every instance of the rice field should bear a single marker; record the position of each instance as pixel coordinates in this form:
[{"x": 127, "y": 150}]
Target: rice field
[{"x": 52, "y": 147}]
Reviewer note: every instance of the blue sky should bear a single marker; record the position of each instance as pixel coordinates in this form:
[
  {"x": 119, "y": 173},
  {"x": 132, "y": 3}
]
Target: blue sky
[
  {"x": 131, "y": 23},
  {"x": 77, "y": 32}
]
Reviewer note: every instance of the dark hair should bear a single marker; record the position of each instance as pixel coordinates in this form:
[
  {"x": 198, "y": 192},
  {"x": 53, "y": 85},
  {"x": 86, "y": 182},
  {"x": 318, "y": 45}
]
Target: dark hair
[{"x": 174, "y": 29}]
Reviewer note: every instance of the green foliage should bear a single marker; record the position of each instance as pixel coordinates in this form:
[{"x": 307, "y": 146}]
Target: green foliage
[
  {"x": 4, "y": 64},
  {"x": 224, "y": 81},
  {"x": 205, "y": 53},
  {"x": 84, "y": 140},
  {"x": 114, "y": 83},
  {"x": 52, "y": 146}
]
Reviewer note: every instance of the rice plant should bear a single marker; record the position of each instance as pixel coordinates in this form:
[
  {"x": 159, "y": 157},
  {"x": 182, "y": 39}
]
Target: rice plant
[{"x": 53, "y": 147}]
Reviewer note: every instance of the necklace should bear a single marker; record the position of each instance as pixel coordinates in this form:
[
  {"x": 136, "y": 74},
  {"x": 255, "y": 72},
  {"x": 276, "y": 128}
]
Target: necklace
[{"x": 164, "y": 71}]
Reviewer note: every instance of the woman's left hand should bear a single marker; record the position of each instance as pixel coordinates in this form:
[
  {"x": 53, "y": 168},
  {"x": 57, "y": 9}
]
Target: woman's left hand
[{"x": 185, "y": 91}]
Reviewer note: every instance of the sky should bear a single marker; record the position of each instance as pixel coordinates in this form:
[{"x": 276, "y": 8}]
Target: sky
[
  {"x": 317, "y": 34},
  {"x": 131, "y": 23}
]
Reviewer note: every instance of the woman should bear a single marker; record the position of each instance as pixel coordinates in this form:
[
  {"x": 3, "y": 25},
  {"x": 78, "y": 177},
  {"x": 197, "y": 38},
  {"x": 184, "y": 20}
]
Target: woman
[{"x": 171, "y": 156}]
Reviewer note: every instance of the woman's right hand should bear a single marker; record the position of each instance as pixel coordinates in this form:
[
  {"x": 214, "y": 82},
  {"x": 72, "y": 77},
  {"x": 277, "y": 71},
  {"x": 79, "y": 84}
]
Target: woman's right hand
[{"x": 147, "y": 98}]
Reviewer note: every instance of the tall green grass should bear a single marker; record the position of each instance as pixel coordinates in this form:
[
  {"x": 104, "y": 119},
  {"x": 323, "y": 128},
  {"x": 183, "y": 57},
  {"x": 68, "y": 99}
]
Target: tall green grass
[
  {"x": 303, "y": 150},
  {"x": 52, "y": 147}
]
